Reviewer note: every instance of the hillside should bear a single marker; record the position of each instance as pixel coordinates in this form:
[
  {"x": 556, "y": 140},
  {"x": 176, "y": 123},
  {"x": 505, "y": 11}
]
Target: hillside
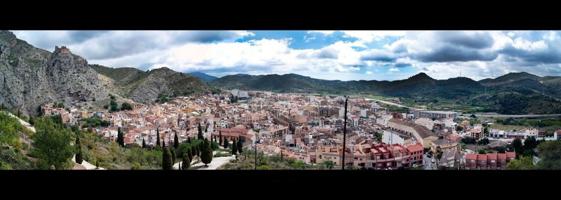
[
  {"x": 147, "y": 87},
  {"x": 30, "y": 77},
  {"x": 204, "y": 77},
  {"x": 514, "y": 93}
]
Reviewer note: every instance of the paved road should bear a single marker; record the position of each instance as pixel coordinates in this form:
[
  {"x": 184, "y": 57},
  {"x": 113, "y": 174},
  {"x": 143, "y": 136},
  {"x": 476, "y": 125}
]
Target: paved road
[
  {"x": 516, "y": 116},
  {"x": 214, "y": 164},
  {"x": 388, "y": 103}
]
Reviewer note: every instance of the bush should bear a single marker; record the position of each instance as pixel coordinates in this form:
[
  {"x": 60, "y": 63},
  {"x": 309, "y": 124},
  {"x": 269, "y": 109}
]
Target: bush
[
  {"x": 468, "y": 140},
  {"x": 483, "y": 141},
  {"x": 126, "y": 106}
]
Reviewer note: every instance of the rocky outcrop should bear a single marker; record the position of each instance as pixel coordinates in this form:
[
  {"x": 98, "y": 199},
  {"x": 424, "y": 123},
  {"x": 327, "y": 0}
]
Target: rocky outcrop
[
  {"x": 30, "y": 77},
  {"x": 166, "y": 82}
]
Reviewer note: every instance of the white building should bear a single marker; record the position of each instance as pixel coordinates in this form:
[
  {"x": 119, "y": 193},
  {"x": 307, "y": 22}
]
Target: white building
[
  {"x": 426, "y": 122},
  {"x": 392, "y": 138}
]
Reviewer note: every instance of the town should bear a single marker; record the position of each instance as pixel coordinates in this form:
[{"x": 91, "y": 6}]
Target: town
[{"x": 309, "y": 128}]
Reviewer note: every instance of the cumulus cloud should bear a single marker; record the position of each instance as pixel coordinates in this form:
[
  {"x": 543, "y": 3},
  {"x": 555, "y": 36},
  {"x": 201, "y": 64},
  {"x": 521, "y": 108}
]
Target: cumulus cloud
[
  {"x": 368, "y": 55},
  {"x": 113, "y": 44},
  {"x": 379, "y": 55}
]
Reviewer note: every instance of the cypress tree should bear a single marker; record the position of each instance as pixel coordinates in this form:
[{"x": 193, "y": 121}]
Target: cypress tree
[
  {"x": 186, "y": 162},
  {"x": 78, "y": 151},
  {"x": 158, "y": 136},
  {"x": 225, "y": 145},
  {"x": 206, "y": 153},
  {"x": 219, "y": 137},
  {"x": 240, "y": 146},
  {"x": 195, "y": 150},
  {"x": 202, "y": 145},
  {"x": 172, "y": 151},
  {"x": 189, "y": 153},
  {"x": 143, "y": 143},
  {"x": 234, "y": 148},
  {"x": 189, "y": 140},
  {"x": 166, "y": 159},
  {"x": 120, "y": 138},
  {"x": 200, "y": 134},
  {"x": 175, "y": 141}
]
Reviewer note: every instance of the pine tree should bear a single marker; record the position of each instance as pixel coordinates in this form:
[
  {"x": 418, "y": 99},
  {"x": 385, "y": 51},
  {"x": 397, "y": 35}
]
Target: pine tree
[
  {"x": 200, "y": 134},
  {"x": 120, "y": 138},
  {"x": 166, "y": 159},
  {"x": 206, "y": 153},
  {"x": 143, "y": 143},
  {"x": 175, "y": 141},
  {"x": 158, "y": 136},
  {"x": 186, "y": 162},
  {"x": 78, "y": 151}
]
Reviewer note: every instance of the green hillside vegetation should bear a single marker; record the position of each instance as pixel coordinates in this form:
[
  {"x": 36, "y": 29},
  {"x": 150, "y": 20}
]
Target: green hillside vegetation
[
  {"x": 152, "y": 84},
  {"x": 246, "y": 161},
  {"x": 12, "y": 149},
  {"x": 110, "y": 155},
  {"x": 514, "y": 93}
]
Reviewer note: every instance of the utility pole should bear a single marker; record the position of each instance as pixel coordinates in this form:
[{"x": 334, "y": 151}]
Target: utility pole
[
  {"x": 345, "y": 133},
  {"x": 255, "y": 149}
]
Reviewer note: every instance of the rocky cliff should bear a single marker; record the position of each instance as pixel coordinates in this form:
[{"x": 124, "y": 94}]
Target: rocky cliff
[{"x": 30, "y": 77}]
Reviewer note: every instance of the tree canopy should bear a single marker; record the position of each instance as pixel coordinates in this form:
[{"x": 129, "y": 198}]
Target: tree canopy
[{"x": 52, "y": 144}]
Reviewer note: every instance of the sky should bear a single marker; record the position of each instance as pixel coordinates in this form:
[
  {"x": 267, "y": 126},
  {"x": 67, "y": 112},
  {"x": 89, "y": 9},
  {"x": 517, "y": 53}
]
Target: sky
[{"x": 332, "y": 55}]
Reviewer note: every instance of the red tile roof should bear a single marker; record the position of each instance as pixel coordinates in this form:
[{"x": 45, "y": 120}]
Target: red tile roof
[
  {"x": 502, "y": 156},
  {"x": 471, "y": 156},
  {"x": 492, "y": 156},
  {"x": 481, "y": 156},
  {"x": 510, "y": 154},
  {"x": 415, "y": 148}
]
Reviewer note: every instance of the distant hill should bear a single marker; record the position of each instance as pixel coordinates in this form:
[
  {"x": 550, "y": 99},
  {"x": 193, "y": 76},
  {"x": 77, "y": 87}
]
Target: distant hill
[
  {"x": 513, "y": 93},
  {"x": 147, "y": 86},
  {"x": 204, "y": 77}
]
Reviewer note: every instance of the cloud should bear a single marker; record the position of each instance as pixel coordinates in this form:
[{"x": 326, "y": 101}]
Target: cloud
[
  {"x": 114, "y": 44},
  {"x": 532, "y": 51},
  {"x": 474, "y": 40},
  {"x": 326, "y": 33},
  {"x": 379, "y": 55},
  {"x": 328, "y": 53},
  {"x": 343, "y": 55},
  {"x": 402, "y": 65},
  {"x": 455, "y": 53},
  {"x": 370, "y": 36}
]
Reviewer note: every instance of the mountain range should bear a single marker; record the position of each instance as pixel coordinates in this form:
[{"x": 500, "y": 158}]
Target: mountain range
[
  {"x": 30, "y": 77},
  {"x": 513, "y": 93},
  {"x": 204, "y": 77}
]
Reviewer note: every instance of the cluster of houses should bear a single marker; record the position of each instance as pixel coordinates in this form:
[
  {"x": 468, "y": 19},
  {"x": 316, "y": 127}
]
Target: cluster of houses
[{"x": 307, "y": 128}]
